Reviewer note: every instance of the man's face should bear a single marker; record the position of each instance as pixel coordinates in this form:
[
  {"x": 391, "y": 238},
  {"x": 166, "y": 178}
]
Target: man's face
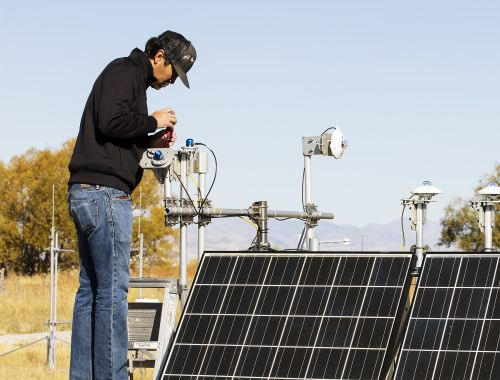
[{"x": 163, "y": 72}]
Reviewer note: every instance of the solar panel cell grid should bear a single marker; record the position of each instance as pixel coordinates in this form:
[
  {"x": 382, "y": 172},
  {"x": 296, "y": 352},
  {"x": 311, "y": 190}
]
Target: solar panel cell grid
[
  {"x": 288, "y": 316},
  {"x": 454, "y": 328}
]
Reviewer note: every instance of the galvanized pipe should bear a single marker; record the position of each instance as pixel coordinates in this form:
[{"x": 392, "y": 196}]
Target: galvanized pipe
[
  {"x": 307, "y": 180},
  {"x": 419, "y": 229},
  {"x": 201, "y": 226},
  {"x": 167, "y": 186},
  {"x": 214, "y": 212},
  {"x": 312, "y": 241},
  {"x": 183, "y": 231},
  {"x": 488, "y": 230},
  {"x": 260, "y": 209}
]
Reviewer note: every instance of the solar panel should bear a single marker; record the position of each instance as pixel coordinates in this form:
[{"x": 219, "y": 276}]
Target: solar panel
[
  {"x": 454, "y": 326},
  {"x": 288, "y": 315}
]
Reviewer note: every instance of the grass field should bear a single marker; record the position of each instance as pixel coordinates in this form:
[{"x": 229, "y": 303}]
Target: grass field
[{"x": 24, "y": 308}]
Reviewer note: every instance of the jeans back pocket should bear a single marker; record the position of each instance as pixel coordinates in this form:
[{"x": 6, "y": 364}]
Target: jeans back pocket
[{"x": 84, "y": 213}]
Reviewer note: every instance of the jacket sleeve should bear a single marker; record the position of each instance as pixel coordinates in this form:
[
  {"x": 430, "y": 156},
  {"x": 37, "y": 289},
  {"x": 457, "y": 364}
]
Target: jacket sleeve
[{"x": 118, "y": 92}]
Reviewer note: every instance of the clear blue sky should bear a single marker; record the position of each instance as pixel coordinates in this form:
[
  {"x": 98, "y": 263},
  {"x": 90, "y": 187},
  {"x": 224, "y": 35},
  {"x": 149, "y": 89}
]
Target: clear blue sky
[{"x": 415, "y": 87}]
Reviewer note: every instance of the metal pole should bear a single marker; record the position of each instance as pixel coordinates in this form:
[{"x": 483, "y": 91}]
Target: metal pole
[
  {"x": 307, "y": 180},
  {"x": 419, "y": 229},
  {"x": 141, "y": 252},
  {"x": 312, "y": 241},
  {"x": 54, "y": 322},
  {"x": 488, "y": 230},
  {"x": 201, "y": 225},
  {"x": 214, "y": 211},
  {"x": 140, "y": 238},
  {"x": 261, "y": 211},
  {"x": 140, "y": 213},
  {"x": 167, "y": 186},
  {"x": 51, "y": 340},
  {"x": 183, "y": 231}
]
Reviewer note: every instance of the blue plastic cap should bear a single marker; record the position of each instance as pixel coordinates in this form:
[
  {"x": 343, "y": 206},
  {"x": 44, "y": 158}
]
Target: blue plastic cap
[
  {"x": 189, "y": 142},
  {"x": 158, "y": 155}
]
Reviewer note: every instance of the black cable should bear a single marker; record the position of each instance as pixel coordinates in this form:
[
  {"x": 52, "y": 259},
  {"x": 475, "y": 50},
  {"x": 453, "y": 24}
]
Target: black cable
[
  {"x": 299, "y": 246},
  {"x": 215, "y": 175},
  {"x": 253, "y": 242},
  {"x": 192, "y": 203}
]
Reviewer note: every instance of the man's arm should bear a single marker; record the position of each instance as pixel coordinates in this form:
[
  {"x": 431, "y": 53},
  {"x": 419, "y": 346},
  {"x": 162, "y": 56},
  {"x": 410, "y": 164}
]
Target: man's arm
[{"x": 115, "y": 119}]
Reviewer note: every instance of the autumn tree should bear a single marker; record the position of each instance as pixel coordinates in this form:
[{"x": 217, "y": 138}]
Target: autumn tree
[
  {"x": 460, "y": 223},
  {"x": 26, "y": 209},
  {"x": 26, "y": 212}
]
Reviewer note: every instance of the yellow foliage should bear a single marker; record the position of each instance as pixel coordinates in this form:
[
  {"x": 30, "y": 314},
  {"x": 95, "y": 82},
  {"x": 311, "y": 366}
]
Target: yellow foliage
[{"x": 26, "y": 212}]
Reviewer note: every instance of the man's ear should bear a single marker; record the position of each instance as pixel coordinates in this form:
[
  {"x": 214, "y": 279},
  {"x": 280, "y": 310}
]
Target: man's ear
[{"x": 159, "y": 56}]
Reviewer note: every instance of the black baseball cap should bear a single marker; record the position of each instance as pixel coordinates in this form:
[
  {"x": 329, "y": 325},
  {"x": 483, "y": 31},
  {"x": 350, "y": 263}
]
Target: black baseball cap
[{"x": 180, "y": 52}]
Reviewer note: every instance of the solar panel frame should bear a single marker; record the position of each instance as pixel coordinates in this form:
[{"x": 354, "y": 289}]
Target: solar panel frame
[
  {"x": 290, "y": 352},
  {"x": 457, "y": 334}
]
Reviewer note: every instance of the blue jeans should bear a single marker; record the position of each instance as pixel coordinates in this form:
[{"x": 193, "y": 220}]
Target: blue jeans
[{"x": 99, "y": 341}]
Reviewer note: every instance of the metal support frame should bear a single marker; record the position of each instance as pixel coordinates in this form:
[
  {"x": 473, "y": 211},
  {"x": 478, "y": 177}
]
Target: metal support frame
[
  {"x": 140, "y": 251},
  {"x": 169, "y": 165},
  {"x": 201, "y": 167},
  {"x": 53, "y": 322},
  {"x": 421, "y": 197},
  {"x": 310, "y": 207},
  {"x": 168, "y": 321},
  {"x": 183, "y": 282},
  {"x": 248, "y": 212},
  {"x": 51, "y": 337},
  {"x": 260, "y": 217},
  {"x": 486, "y": 207},
  {"x": 337, "y": 241},
  {"x": 418, "y": 208}
]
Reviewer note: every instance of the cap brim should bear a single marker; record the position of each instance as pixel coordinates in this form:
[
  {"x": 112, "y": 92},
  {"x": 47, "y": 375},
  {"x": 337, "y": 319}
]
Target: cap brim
[{"x": 181, "y": 74}]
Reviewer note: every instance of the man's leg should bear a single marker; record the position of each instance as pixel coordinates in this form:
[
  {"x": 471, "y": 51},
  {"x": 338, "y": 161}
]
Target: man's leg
[
  {"x": 83, "y": 208},
  {"x": 121, "y": 207},
  {"x": 110, "y": 253}
]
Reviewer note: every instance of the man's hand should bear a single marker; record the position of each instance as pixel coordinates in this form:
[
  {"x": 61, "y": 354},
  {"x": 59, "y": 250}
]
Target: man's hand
[
  {"x": 165, "y": 118},
  {"x": 163, "y": 139}
]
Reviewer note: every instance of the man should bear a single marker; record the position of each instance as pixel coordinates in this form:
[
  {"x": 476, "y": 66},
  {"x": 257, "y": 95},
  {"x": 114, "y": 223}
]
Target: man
[{"x": 104, "y": 170}]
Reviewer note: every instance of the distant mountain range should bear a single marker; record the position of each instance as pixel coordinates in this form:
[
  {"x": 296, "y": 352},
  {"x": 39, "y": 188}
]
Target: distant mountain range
[{"x": 228, "y": 234}]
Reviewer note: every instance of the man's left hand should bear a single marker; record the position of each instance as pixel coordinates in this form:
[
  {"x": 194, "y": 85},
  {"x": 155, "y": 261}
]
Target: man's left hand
[{"x": 163, "y": 139}]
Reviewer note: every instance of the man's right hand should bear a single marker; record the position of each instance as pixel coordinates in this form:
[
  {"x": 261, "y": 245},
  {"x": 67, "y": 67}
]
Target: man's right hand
[{"x": 165, "y": 118}]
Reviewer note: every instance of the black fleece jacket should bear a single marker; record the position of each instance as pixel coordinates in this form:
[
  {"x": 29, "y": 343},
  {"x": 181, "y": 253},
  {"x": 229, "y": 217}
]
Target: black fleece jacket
[{"x": 115, "y": 125}]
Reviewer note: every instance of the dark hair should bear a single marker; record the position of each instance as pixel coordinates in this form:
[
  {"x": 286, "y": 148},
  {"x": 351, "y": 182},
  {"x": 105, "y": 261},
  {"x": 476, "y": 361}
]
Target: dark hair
[{"x": 152, "y": 47}]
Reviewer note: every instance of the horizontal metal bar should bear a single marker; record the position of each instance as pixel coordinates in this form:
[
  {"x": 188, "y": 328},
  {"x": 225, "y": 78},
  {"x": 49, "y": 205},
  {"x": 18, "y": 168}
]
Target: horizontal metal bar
[
  {"x": 212, "y": 211},
  {"x": 339, "y": 254},
  {"x": 208, "y": 211},
  {"x": 148, "y": 282},
  {"x": 300, "y": 214}
]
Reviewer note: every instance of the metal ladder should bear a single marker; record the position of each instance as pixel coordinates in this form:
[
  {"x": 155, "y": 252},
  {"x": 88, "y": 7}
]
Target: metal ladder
[{"x": 151, "y": 324}]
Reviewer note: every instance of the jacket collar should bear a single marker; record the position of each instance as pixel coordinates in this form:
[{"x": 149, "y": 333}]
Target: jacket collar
[{"x": 142, "y": 61}]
